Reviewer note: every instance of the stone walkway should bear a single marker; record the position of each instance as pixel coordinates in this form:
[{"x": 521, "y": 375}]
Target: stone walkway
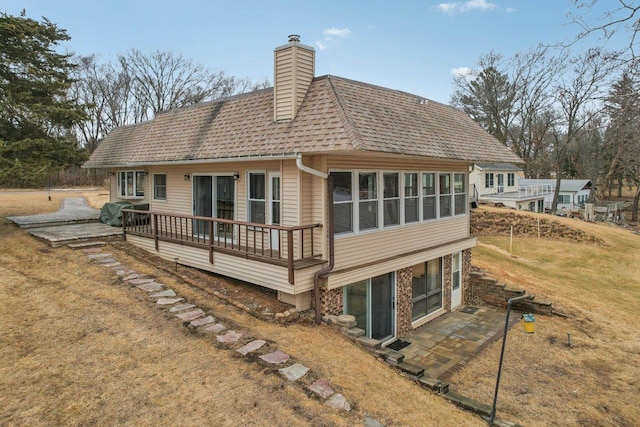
[
  {"x": 451, "y": 341},
  {"x": 205, "y": 323}
]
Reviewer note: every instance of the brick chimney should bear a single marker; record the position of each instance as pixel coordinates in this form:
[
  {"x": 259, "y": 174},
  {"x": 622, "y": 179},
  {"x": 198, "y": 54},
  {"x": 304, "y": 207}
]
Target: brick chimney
[{"x": 294, "y": 69}]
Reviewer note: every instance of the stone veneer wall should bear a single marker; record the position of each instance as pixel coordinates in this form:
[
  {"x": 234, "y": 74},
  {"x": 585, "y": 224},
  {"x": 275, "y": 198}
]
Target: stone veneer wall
[
  {"x": 446, "y": 282},
  {"x": 330, "y": 301},
  {"x": 404, "y": 294},
  {"x": 466, "y": 276}
]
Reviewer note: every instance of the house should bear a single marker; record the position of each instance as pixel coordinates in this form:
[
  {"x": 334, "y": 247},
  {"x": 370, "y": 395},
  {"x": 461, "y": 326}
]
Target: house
[
  {"x": 501, "y": 184},
  {"x": 574, "y": 193},
  {"x": 340, "y": 195}
]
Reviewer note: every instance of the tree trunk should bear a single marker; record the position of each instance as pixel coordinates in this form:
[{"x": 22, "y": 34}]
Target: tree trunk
[
  {"x": 634, "y": 207},
  {"x": 620, "y": 187},
  {"x": 556, "y": 193}
]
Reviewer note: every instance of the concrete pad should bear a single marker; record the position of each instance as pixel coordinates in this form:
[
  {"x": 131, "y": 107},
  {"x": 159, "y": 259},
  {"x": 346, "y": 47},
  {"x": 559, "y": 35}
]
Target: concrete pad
[
  {"x": 179, "y": 307},
  {"x": 63, "y": 234},
  {"x": 294, "y": 372},
  {"x": 72, "y": 209},
  {"x": 338, "y": 401},
  {"x": 275, "y": 358},
  {"x": 168, "y": 293},
  {"x": 251, "y": 347},
  {"x": 229, "y": 337},
  {"x": 169, "y": 301},
  {"x": 202, "y": 321},
  {"x": 321, "y": 387},
  {"x": 150, "y": 287},
  {"x": 188, "y": 316},
  {"x": 91, "y": 244}
]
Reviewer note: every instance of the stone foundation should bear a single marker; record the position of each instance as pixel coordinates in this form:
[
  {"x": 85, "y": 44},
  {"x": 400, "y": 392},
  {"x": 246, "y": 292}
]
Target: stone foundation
[
  {"x": 330, "y": 301},
  {"x": 466, "y": 276},
  {"x": 446, "y": 282}
]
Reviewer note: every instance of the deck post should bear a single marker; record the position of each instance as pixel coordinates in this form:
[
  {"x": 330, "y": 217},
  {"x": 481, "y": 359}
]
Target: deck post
[
  {"x": 155, "y": 230},
  {"x": 211, "y": 225},
  {"x": 290, "y": 255},
  {"x": 124, "y": 226}
]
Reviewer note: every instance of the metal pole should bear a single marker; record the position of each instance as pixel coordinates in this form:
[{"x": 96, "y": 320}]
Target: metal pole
[{"x": 504, "y": 342}]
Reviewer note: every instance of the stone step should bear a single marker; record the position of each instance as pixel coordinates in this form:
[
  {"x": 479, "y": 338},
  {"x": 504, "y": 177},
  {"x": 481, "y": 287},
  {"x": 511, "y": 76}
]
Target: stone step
[
  {"x": 202, "y": 321},
  {"x": 188, "y": 316},
  {"x": 410, "y": 369},
  {"x": 369, "y": 342},
  {"x": 179, "y": 307},
  {"x": 395, "y": 358},
  {"x": 168, "y": 293},
  {"x": 89, "y": 244}
]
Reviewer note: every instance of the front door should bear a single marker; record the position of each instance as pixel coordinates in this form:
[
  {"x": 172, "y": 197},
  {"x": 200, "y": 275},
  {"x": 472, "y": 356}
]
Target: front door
[
  {"x": 456, "y": 279},
  {"x": 202, "y": 203},
  {"x": 274, "y": 208},
  {"x": 372, "y": 302}
]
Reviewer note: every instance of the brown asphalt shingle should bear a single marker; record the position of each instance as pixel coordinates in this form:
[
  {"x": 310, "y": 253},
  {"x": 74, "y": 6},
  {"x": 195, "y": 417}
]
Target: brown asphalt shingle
[{"x": 337, "y": 115}]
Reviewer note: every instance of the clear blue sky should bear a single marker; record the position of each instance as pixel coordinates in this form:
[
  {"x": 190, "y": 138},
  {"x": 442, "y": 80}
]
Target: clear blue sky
[{"x": 409, "y": 45}]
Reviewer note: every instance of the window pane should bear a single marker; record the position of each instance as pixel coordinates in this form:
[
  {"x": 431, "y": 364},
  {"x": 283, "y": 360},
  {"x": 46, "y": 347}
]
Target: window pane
[
  {"x": 367, "y": 186},
  {"x": 429, "y": 208},
  {"x": 411, "y": 210},
  {"x": 391, "y": 185},
  {"x": 456, "y": 280},
  {"x": 419, "y": 280},
  {"x": 160, "y": 186},
  {"x": 434, "y": 276},
  {"x": 445, "y": 206},
  {"x": 256, "y": 186},
  {"x": 123, "y": 183},
  {"x": 256, "y": 211},
  {"x": 434, "y": 302},
  {"x": 368, "y": 215},
  {"x": 341, "y": 186},
  {"x": 410, "y": 184},
  {"x": 139, "y": 184},
  {"x": 445, "y": 184},
  {"x": 355, "y": 297},
  {"x": 419, "y": 309},
  {"x": 458, "y": 183},
  {"x": 391, "y": 212},
  {"x": 343, "y": 217},
  {"x": 129, "y": 184},
  {"x": 461, "y": 203},
  {"x": 428, "y": 184}
]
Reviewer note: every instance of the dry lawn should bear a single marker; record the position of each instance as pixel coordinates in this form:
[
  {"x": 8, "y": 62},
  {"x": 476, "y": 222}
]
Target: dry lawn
[
  {"x": 79, "y": 348},
  {"x": 596, "y": 381}
]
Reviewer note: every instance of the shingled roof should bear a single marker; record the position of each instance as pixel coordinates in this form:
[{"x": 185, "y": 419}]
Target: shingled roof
[{"x": 337, "y": 115}]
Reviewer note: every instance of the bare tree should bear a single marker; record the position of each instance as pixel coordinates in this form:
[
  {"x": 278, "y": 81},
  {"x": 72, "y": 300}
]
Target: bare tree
[
  {"x": 138, "y": 86},
  {"x": 578, "y": 103},
  {"x": 622, "y": 17}
]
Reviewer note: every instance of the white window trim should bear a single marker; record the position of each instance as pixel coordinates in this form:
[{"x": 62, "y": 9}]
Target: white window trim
[
  {"x": 135, "y": 183},
  {"x": 249, "y": 199},
  {"x": 355, "y": 198},
  {"x": 153, "y": 187}
]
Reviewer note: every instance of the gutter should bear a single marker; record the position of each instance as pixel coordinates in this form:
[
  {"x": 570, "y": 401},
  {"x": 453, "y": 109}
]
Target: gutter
[
  {"x": 327, "y": 269},
  {"x": 199, "y": 161}
]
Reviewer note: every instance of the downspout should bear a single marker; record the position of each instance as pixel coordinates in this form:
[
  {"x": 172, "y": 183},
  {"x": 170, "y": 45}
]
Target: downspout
[{"x": 327, "y": 269}]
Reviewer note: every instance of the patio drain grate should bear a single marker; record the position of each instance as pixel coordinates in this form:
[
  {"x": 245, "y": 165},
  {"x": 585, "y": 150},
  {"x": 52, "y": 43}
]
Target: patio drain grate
[{"x": 398, "y": 345}]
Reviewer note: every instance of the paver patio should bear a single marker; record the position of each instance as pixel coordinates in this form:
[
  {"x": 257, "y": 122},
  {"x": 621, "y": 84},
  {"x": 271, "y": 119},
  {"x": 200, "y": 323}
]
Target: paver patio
[{"x": 451, "y": 341}]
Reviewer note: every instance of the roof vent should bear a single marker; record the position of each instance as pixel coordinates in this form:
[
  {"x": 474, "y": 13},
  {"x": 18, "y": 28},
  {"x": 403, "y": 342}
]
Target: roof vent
[
  {"x": 423, "y": 101},
  {"x": 294, "y": 38}
]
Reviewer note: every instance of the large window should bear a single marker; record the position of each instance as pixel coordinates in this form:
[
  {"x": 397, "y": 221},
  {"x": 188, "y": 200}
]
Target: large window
[
  {"x": 426, "y": 288},
  {"x": 445, "y": 195},
  {"x": 564, "y": 199},
  {"x": 342, "y": 202},
  {"x": 368, "y": 195},
  {"x": 488, "y": 180},
  {"x": 131, "y": 183},
  {"x": 411, "y": 198},
  {"x": 391, "y": 204},
  {"x": 460, "y": 194},
  {"x": 160, "y": 186},
  {"x": 256, "y": 200},
  {"x": 428, "y": 196},
  {"x": 511, "y": 179},
  {"x": 374, "y": 200}
]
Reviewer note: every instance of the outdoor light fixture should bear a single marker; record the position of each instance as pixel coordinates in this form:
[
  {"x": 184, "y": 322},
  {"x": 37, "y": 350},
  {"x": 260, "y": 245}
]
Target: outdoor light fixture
[
  {"x": 187, "y": 177},
  {"x": 236, "y": 175}
]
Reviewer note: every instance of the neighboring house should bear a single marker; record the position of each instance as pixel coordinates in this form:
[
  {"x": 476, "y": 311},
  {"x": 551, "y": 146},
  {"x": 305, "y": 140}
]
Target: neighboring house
[
  {"x": 501, "y": 183},
  {"x": 341, "y": 195},
  {"x": 574, "y": 193}
]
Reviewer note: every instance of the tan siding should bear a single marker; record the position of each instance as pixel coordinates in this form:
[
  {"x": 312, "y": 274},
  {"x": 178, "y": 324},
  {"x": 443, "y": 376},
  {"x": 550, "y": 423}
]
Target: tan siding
[
  {"x": 259, "y": 273},
  {"x": 344, "y": 278},
  {"x": 351, "y": 251}
]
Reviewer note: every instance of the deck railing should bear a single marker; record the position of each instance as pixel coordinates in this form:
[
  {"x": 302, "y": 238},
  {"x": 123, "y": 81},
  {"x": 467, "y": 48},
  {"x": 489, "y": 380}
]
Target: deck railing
[{"x": 287, "y": 246}]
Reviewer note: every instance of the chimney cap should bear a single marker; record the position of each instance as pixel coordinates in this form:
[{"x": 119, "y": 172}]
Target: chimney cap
[{"x": 294, "y": 38}]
